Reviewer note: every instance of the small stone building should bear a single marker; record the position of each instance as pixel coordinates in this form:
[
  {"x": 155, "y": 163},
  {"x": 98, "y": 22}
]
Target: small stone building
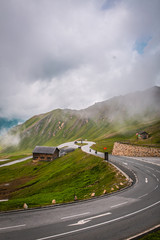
[
  {"x": 143, "y": 135},
  {"x": 45, "y": 153}
]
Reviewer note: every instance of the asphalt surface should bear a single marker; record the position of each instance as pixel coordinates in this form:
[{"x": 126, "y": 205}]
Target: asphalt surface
[
  {"x": 116, "y": 216},
  {"x": 15, "y": 161}
]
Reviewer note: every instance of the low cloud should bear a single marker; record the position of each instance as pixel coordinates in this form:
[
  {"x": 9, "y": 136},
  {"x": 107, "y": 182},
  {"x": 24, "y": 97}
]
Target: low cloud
[
  {"x": 8, "y": 139},
  {"x": 71, "y": 54}
]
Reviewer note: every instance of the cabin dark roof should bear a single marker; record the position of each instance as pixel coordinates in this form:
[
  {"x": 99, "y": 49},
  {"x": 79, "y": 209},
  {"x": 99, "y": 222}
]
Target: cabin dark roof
[{"x": 45, "y": 150}]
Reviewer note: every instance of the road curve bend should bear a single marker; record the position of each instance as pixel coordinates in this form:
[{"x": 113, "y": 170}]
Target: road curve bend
[{"x": 117, "y": 216}]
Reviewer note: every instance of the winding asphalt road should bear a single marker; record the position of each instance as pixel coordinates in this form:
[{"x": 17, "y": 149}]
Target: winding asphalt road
[{"x": 116, "y": 216}]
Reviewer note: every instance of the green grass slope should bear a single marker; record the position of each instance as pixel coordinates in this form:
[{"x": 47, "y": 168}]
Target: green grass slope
[
  {"x": 127, "y": 134},
  {"x": 54, "y": 128},
  {"x": 77, "y": 173},
  {"x": 116, "y": 119}
]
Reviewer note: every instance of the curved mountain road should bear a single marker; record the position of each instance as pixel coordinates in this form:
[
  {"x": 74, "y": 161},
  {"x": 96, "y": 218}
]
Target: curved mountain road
[{"x": 117, "y": 216}]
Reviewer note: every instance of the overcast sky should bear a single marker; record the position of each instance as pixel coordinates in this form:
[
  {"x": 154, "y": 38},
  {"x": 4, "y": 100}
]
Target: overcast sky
[{"x": 73, "y": 53}]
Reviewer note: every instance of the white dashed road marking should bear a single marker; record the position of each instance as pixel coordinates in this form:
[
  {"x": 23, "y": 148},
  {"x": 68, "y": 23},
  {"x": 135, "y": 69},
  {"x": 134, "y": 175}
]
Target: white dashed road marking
[
  {"x": 72, "y": 216},
  {"x": 17, "y": 226}
]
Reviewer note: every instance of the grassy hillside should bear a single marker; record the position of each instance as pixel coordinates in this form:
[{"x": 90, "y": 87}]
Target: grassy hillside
[
  {"x": 103, "y": 134},
  {"x": 54, "y": 128},
  {"x": 128, "y": 135},
  {"x": 77, "y": 173},
  {"x": 116, "y": 119}
]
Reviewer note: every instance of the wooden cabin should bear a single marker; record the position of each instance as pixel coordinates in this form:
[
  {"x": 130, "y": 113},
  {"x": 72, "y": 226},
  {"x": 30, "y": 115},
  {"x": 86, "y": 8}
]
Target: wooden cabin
[
  {"x": 41, "y": 153},
  {"x": 143, "y": 135}
]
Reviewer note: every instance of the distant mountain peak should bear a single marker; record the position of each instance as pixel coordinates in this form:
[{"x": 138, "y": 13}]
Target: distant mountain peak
[{"x": 101, "y": 119}]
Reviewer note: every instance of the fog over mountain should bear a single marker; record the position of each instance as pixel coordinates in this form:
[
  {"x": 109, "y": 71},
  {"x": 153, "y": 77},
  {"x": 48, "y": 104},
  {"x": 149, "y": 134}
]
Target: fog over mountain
[
  {"x": 143, "y": 104},
  {"x": 134, "y": 110},
  {"x": 73, "y": 53}
]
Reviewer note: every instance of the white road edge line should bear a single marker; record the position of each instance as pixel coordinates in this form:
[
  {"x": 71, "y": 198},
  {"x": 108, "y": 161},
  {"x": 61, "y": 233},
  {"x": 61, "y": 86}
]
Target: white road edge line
[
  {"x": 17, "y": 226},
  {"x": 140, "y": 234},
  {"x": 99, "y": 224},
  {"x": 72, "y": 216},
  {"x": 118, "y": 204}
]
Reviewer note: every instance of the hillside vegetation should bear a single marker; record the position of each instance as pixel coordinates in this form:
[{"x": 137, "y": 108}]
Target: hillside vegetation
[
  {"x": 38, "y": 184},
  {"x": 128, "y": 135},
  {"x": 117, "y": 119}
]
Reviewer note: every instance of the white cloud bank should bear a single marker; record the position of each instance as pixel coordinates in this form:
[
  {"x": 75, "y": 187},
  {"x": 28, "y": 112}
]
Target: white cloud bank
[
  {"x": 8, "y": 139},
  {"x": 72, "y": 53}
]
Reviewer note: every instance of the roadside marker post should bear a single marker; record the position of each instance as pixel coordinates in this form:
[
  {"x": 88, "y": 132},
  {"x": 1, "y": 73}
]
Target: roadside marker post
[{"x": 105, "y": 154}]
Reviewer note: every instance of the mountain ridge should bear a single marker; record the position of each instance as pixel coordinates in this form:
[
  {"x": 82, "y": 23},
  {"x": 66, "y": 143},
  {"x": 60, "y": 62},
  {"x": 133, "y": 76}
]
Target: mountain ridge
[{"x": 131, "y": 111}]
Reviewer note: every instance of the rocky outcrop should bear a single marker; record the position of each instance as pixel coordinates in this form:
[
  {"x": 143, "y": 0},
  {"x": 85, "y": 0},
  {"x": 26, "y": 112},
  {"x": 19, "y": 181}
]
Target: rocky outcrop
[{"x": 121, "y": 149}]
